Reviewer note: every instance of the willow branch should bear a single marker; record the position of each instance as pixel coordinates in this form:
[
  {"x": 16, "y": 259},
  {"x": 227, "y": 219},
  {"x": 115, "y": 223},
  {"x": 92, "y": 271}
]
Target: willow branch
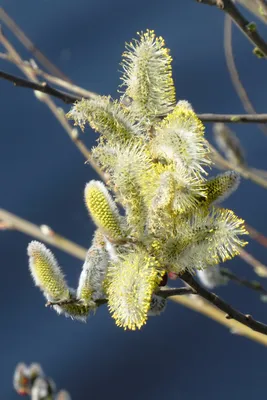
[
  {"x": 259, "y": 237},
  {"x": 254, "y": 285},
  {"x": 21, "y": 225},
  {"x": 31, "y": 65},
  {"x": 40, "y": 87},
  {"x": 245, "y": 172},
  {"x": 234, "y": 118},
  {"x": 234, "y": 75},
  {"x": 259, "y": 268},
  {"x": 243, "y": 24},
  {"x": 231, "y": 313},
  {"x": 60, "y": 116},
  {"x": 254, "y": 6},
  {"x": 29, "y": 45}
]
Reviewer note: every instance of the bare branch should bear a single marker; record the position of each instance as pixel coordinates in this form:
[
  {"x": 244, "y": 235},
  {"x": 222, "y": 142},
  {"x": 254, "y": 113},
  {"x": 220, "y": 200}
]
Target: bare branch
[
  {"x": 254, "y": 285},
  {"x": 244, "y": 25},
  {"x": 41, "y": 87},
  {"x": 28, "y": 44},
  {"x": 234, "y": 118},
  {"x": 35, "y": 231},
  {"x": 245, "y": 172},
  {"x": 30, "y": 65},
  {"x": 231, "y": 65}
]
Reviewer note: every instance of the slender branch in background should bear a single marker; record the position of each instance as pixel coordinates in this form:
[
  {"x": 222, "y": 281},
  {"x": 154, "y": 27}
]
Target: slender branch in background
[
  {"x": 262, "y": 7},
  {"x": 29, "y": 45},
  {"x": 259, "y": 237},
  {"x": 249, "y": 30},
  {"x": 234, "y": 118},
  {"x": 245, "y": 172},
  {"x": 231, "y": 313},
  {"x": 230, "y": 62},
  {"x": 21, "y": 225},
  {"x": 254, "y": 285},
  {"x": 60, "y": 116},
  {"x": 31, "y": 65},
  {"x": 254, "y": 6},
  {"x": 259, "y": 268}
]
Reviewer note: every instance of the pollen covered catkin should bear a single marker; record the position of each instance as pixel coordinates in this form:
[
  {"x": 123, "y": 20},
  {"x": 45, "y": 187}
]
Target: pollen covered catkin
[{"x": 156, "y": 159}]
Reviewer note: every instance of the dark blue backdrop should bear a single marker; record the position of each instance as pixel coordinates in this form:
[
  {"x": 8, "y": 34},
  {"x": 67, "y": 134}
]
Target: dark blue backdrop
[{"x": 180, "y": 355}]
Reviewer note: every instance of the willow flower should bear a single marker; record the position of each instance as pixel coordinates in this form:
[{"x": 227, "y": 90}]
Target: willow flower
[
  {"x": 106, "y": 117},
  {"x": 213, "y": 238},
  {"x": 180, "y": 139},
  {"x": 103, "y": 210},
  {"x": 130, "y": 284},
  {"x": 147, "y": 76},
  {"x": 46, "y": 272}
]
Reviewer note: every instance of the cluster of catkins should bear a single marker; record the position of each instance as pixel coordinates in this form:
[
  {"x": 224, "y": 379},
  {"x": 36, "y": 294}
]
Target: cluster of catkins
[
  {"x": 31, "y": 380},
  {"x": 153, "y": 152}
]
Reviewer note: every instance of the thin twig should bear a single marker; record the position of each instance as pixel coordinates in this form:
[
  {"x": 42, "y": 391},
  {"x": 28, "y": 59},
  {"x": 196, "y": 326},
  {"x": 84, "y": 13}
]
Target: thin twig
[
  {"x": 72, "y": 133},
  {"x": 253, "y": 7},
  {"x": 245, "y": 172},
  {"x": 234, "y": 118},
  {"x": 259, "y": 268},
  {"x": 231, "y": 65},
  {"x": 51, "y": 78},
  {"x": 249, "y": 30},
  {"x": 254, "y": 285},
  {"x": 259, "y": 237},
  {"x": 231, "y": 312},
  {"x": 28, "y": 44},
  {"x": 35, "y": 231},
  {"x": 40, "y": 87}
]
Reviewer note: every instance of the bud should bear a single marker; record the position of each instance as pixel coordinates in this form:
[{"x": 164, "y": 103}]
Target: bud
[
  {"x": 103, "y": 210},
  {"x": 221, "y": 187},
  {"x": 93, "y": 273},
  {"x": 46, "y": 273}
]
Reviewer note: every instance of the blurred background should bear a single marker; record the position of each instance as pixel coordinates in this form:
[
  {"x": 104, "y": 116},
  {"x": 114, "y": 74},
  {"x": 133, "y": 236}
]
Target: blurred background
[{"x": 179, "y": 355}]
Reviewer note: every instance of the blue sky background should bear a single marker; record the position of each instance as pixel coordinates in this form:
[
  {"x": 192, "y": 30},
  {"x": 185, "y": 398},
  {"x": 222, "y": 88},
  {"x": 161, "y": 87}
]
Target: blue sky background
[{"x": 180, "y": 355}]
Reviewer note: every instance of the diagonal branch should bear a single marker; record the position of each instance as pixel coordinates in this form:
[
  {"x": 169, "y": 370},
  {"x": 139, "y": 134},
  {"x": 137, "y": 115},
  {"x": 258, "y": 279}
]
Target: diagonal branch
[
  {"x": 249, "y": 29},
  {"x": 29, "y": 45},
  {"x": 40, "y": 87},
  {"x": 231, "y": 313}
]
